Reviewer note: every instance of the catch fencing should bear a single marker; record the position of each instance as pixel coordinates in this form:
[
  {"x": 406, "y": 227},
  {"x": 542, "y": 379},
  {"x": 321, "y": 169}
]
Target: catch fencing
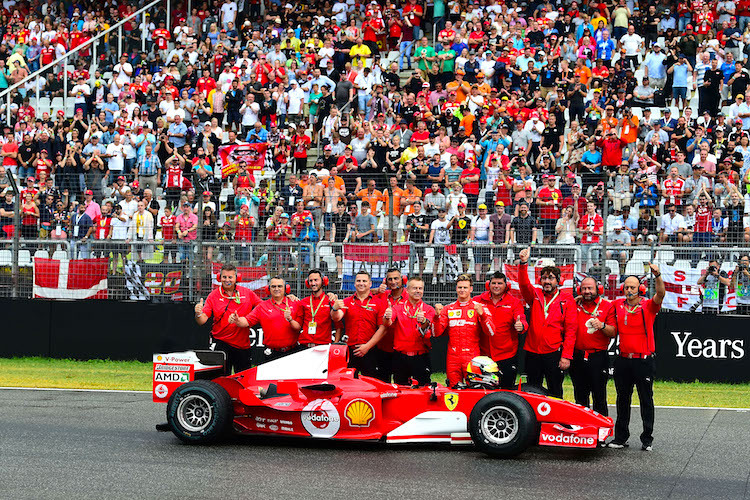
[{"x": 173, "y": 270}]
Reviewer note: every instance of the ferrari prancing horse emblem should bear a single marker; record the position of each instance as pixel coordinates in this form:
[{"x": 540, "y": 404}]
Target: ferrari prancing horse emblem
[{"x": 451, "y": 400}]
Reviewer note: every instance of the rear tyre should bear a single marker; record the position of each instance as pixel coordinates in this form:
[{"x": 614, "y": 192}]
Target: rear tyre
[
  {"x": 502, "y": 424},
  {"x": 199, "y": 412}
]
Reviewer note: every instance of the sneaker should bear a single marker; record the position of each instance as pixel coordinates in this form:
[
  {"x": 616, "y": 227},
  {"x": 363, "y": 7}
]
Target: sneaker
[
  {"x": 647, "y": 447},
  {"x": 617, "y": 446}
]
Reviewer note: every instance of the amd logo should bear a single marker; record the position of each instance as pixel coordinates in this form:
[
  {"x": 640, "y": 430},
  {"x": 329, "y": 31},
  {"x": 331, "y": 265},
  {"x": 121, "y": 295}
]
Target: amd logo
[{"x": 709, "y": 348}]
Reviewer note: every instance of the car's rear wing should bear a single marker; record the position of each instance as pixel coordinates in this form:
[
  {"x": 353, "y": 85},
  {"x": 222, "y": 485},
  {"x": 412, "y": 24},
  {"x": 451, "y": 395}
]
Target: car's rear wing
[{"x": 174, "y": 369}]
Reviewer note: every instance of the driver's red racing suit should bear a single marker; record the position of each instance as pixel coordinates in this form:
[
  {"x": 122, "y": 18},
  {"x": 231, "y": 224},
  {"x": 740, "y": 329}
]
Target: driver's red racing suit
[{"x": 464, "y": 325}]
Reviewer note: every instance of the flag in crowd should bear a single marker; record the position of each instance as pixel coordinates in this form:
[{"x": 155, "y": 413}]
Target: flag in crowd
[
  {"x": 374, "y": 259},
  {"x": 251, "y": 277},
  {"x": 70, "y": 279}
]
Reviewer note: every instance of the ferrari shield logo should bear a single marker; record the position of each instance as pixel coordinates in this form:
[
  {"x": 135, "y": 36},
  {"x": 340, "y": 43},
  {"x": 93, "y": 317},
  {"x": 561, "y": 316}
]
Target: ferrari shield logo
[
  {"x": 470, "y": 313},
  {"x": 451, "y": 400}
]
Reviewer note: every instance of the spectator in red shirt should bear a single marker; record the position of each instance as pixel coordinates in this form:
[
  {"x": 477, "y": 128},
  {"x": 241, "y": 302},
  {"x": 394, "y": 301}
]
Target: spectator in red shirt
[
  {"x": 590, "y": 224},
  {"x": 470, "y": 182},
  {"x": 549, "y": 198},
  {"x": 611, "y": 148}
]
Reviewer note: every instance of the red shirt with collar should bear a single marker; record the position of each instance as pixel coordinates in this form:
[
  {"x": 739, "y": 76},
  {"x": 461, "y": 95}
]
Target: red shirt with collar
[
  {"x": 596, "y": 341},
  {"x": 386, "y": 343},
  {"x": 407, "y": 333},
  {"x": 504, "y": 343},
  {"x": 634, "y": 325},
  {"x": 317, "y": 309},
  {"x": 363, "y": 317},
  {"x": 220, "y": 307},
  {"x": 277, "y": 331}
]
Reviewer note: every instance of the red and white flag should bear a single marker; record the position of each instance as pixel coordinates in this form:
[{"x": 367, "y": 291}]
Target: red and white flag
[
  {"x": 70, "y": 279},
  {"x": 683, "y": 290},
  {"x": 252, "y": 278}
]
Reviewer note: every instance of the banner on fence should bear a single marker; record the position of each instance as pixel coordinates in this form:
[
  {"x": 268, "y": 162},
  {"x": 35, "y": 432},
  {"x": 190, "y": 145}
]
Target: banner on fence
[
  {"x": 685, "y": 294},
  {"x": 255, "y": 155},
  {"x": 375, "y": 259},
  {"x": 252, "y": 278},
  {"x": 155, "y": 282},
  {"x": 70, "y": 279},
  {"x": 567, "y": 273}
]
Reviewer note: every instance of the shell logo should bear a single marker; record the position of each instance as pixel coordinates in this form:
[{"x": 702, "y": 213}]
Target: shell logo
[
  {"x": 359, "y": 413},
  {"x": 159, "y": 358}
]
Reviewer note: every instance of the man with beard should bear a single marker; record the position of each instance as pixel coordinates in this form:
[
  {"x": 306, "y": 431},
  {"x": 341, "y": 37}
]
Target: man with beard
[
  {"x": 314, "y": 314},
  {"x": 508, "y": 322},
  {"x": 220, "y": 304},
  {"x": 589, "y": 369},
  {"x": 552, "y": 330},
  {"x": 391, "y": 290}
]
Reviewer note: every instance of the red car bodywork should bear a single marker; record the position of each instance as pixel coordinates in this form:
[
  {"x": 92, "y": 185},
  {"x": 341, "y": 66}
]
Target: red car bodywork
[{"x": 314, "y": 394}]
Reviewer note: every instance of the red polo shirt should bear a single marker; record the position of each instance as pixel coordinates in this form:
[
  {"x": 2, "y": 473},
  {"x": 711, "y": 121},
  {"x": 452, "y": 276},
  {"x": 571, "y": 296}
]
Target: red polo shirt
[
  {"x": 406, "y": 332},
  {"x": 504, "y": 343},
  {"x": 362, "y": 318},
  {"x": 220, "y": 307},
  {"x": 634, "y": 325},
  {"x": 596, "y": 341},
  {"x": 318, "y": 311},
  {"x": 277, "y": 331}
]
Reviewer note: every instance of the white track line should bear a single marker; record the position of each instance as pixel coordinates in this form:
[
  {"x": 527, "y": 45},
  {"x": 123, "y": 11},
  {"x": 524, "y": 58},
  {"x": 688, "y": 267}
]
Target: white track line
[{"x": 149, "y": 392}]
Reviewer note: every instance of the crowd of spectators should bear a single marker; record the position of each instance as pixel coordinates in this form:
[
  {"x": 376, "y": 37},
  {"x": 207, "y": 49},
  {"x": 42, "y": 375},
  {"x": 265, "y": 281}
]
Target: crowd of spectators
[{"x": 463, "y": 122}]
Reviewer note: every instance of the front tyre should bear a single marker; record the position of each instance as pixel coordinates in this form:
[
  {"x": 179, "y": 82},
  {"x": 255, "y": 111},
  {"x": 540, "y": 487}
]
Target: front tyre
[
  {"x": 502, "y": 424},
  {"x": 199, "y": 412}
]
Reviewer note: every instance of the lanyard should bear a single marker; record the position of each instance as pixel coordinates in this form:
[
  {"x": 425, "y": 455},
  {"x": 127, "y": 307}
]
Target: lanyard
[
  {"x": 286, "y": 304},
  {"x": 236, "y": 297},
  {"x": 630, "y": 310},
  {"x": 315, "y": 312},
  {"x": 596, "y": 309},
  {"x": 548, "y": 304},
  {"x": 417, "y": 311}
]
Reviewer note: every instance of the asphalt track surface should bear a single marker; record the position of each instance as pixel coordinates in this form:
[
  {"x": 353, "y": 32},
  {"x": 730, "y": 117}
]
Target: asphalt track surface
[{"x": 59, "y": 444}]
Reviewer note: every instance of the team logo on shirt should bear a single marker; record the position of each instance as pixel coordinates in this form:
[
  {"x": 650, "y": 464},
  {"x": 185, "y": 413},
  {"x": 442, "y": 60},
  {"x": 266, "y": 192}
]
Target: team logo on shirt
[{"x": 471, "y": 313}]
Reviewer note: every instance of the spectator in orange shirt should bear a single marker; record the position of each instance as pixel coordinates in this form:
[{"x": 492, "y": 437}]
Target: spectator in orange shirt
[
  {"x": 583, "y": 71},
  {"x": 409, "y": 197},
  {"x": 391, "y": 220},
  {"x": 459, "y": 86},
  {"x": 372, "y": 196}
]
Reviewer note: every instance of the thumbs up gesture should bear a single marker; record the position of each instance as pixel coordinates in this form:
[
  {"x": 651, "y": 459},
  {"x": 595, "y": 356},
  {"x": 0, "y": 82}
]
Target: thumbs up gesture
[
  {"x": 420, "y": 316},
  {"x": 287, "y": 314},
  {"x": 233, "y": 318},
  {"x": 524, "y": 255},
  {"x": 383, "y": 287},
  {"x": 339, "y": 304},
  {"x": 518, "y": 325},
  {"x": 388, "y": 313},
  {"x": 199, "y": 307}
]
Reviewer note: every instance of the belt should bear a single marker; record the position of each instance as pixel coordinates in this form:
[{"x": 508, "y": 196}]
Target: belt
[
  {"x": 311, "y": 344},
  {"x": 412, "y": 353},
  {"x": 282, "y": 349},
  {"x": 635, "y": 355},
  {"x": 586, "y": 354}
]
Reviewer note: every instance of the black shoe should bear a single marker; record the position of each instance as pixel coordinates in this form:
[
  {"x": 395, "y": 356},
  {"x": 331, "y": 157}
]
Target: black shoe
[{"x": 163, "y": 427}]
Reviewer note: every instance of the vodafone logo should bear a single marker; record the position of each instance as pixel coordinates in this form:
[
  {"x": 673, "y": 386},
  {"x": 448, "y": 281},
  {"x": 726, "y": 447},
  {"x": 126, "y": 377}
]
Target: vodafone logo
[
  {"x": 568, "y": 439},
  {"x": 543, "y": 409},
  {"x": 161, "y": 391},
  {"x": 321, "y": 419}
]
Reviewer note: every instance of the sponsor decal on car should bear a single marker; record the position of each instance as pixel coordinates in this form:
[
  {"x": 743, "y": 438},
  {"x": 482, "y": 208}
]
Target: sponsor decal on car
[
  {"x": 320, "y": 418},
  {"x": 171, "y": 377},
  {"x": 567, "y": 439},
  {"x": 451, "y": 400},
  {"x": 273, "y": 427},
  {"x": 388, "y": 395},
  {"x": 172, "y": 368},
  {"x": 359, "y": 413},
  {"x": 161, "y": 391},
  {"x": 283, "y": 403},
  {"x": 544, "y": 408}
]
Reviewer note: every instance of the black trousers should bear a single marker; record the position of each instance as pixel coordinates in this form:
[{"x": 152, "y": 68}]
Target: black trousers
[
  {"x": 589, "y": 377},
  {"x": 545, "y": 366},
  {"x": 237, "y": 359},
  {"x": 509, "y": 369},
  {"x": 385, "y": 365},
  {"x": 406, "y": 368},
  {"x": 627, "y": 374},
  {"x": 367, "y": 364}
]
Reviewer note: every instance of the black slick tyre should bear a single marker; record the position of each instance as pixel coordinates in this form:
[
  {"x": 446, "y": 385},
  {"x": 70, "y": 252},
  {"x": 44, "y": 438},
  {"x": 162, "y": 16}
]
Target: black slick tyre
[
  {"x": 502, "y": 424},
  {"x": 199, "y": 412}
]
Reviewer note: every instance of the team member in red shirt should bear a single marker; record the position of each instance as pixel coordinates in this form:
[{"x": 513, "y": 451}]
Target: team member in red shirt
[
  {"x": 552, "y": 327},
  {"x": 411, "y": 322},
  {"x": 273, "y": 316},
  {"x": 632, "y": 319},
  {"x": 362, "y": 314},
  {"x": 220, "y": 305},
  {"x": 465, "y": 321},
  {"x": 391, "y": 290},
  {"x": 508, "y": 321},
  {"x": 589, "y": 369},
  {"x": 313, "y": 315}
]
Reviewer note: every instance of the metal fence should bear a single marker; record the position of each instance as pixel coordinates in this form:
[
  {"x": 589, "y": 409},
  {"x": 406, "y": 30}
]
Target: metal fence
[{"x": 175, "y": 270}]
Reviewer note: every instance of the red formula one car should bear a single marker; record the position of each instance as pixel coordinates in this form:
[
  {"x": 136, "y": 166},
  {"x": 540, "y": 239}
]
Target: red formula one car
[{"x": 313, "y": 393}]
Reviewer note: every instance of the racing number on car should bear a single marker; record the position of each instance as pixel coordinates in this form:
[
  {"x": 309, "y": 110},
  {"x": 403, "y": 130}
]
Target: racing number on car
[{"x": 451, "y": 400}]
